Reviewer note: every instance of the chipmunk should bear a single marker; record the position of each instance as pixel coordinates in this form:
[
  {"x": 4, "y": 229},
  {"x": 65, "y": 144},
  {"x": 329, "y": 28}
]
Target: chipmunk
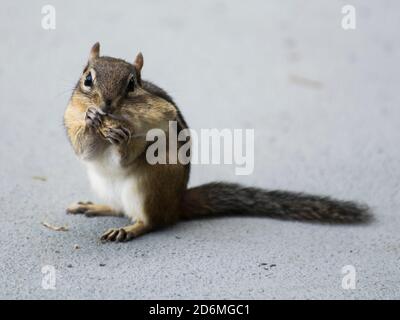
[{"x": 106, "y": 120}]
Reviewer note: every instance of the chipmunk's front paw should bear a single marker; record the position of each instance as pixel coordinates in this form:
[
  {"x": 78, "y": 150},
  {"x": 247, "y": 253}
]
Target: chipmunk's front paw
[
  {"x": 117, "y": 135},
  {"x": 93, "y": 117}
]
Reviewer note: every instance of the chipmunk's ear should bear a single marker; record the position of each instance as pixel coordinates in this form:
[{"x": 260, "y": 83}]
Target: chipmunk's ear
[
  {"x": 94, "y": 52},
  {"x": 138, "y": 64}
]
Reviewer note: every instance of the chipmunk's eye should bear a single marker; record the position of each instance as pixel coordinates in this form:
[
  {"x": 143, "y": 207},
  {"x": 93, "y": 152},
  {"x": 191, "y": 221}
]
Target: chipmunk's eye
[
  {"x": 88, "y": 80},
  {"x": 131, "y": 84}
]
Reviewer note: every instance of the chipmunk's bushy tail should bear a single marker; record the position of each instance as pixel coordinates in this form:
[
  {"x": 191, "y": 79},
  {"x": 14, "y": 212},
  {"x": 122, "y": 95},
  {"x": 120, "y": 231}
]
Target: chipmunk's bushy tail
[{"x": 219, "y": 198}]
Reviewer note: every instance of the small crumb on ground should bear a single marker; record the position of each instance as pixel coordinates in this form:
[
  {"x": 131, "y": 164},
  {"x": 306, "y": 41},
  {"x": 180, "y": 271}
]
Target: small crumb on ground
[
  {"x": 302, "y": 81},
  {"x": 39, "y": 178},
  {"x": 267, "y": 266},
  {"x": 54, "y": 228}
]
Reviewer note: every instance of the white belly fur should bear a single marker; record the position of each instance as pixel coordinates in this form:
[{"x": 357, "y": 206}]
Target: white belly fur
[{"x": 117, "y": 187}]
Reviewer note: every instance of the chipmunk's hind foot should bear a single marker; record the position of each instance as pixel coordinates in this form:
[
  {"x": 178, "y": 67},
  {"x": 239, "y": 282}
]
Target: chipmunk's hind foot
[
  {"x": 89, "y": 209},
  {"x": 125, "y": 233}
]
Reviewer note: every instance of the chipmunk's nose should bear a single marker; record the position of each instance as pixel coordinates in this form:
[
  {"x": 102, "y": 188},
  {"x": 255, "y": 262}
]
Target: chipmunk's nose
[{"x": 106, "y": 107}]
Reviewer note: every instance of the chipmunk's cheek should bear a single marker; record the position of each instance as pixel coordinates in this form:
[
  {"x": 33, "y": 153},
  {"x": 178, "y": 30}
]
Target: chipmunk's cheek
[{"x": 97, "y": 100}]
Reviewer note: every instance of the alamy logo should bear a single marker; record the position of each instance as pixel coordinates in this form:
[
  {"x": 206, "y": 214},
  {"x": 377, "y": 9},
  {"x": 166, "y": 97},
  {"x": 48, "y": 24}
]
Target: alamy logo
[
  {"x": 49, "y": 277},
  {"x": 349, "y": 18},
  {"x": 349, "y": 279},
  {"x": 49, "y": 17},
  {"x": 209, "y": 146}
]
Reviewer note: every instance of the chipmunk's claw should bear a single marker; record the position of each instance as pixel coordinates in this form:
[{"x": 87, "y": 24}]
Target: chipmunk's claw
[
  {"x": 117, "y": 135},
  {"x": 117, "y": 234},
  {"x": 125, "y": 233},
  {"x": 93, "y": 117},
  {"x": 85, "y": 208},
  {"x": 79, "y": 207}
]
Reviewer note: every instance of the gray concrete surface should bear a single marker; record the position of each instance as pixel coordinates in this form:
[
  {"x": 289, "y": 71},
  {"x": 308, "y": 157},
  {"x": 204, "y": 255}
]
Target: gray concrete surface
[{"x": 324, "y": 104}]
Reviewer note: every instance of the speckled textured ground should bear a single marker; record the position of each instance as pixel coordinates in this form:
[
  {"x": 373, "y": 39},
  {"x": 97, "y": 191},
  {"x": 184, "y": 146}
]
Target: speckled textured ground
[{"x": 324, "y": 104}]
